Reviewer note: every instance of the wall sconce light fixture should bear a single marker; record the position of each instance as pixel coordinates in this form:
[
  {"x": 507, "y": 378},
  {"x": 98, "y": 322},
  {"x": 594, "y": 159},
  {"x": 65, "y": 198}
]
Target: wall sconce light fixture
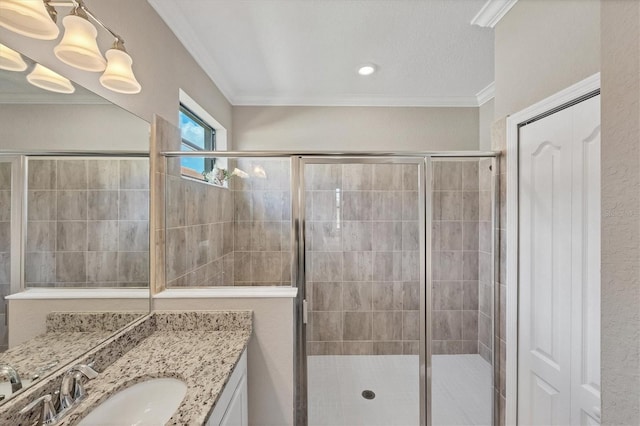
[{"x": 78, "y": 47}]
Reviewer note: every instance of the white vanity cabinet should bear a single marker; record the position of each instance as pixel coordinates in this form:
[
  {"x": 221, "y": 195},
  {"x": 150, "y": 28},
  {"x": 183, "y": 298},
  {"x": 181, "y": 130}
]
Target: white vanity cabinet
[{"x": 231, "y": 408}]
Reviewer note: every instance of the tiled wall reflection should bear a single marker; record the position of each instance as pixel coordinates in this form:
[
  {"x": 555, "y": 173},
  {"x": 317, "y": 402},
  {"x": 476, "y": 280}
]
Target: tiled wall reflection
[
  {"x": 5, "y": 246},
  {"x": 87, "y": 223},
  {"x": 262, "y": 222},
  {"x": 363, "y": 270}
]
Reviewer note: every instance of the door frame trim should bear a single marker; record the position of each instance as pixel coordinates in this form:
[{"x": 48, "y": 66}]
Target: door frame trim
[{"x": 559, "y": 100}]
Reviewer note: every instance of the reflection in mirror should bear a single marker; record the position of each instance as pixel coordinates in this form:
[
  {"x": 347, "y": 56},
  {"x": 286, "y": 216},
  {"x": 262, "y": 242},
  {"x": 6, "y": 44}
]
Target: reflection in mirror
[
  {"x": 74, "y": 223},
  {"x": 87, "y": 222}
]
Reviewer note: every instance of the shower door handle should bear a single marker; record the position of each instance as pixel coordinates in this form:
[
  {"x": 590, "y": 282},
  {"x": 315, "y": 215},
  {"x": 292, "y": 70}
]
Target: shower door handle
[{"x": 305, "y": 311}]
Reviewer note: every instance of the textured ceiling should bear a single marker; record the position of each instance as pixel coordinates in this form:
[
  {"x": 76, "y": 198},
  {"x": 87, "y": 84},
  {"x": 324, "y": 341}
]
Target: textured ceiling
[{"x": 306, "y": 52}]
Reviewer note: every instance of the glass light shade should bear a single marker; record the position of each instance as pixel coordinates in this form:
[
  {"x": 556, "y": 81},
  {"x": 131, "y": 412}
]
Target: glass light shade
[
  {"x": 119, "y": 76},
  {"x": 46, "y": 79},
  {"x": 78, "y": 46},
  {"x": 28, "y": 18},
  {"x": 11, "y": 60}
]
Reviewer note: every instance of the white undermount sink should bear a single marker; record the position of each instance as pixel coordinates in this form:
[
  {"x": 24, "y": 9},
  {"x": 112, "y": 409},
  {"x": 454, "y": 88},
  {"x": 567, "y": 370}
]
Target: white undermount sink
[{"x": 152, "y": 402}]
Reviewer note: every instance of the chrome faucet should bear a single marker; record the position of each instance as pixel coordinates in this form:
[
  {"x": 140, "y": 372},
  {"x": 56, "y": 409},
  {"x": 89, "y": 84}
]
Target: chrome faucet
[
  {"x": 12, "y": 375},
  {"x": 71, "y": 393},
  {"x": 48, "y": 415},
  {"x": 71, "y": 389}
]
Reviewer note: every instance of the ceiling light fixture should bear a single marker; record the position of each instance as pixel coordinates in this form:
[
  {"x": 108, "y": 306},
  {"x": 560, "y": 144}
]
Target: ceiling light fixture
[
  {"x": 367, "y": 69},
  {"x": 78, "y": 47},
  {"x": 35, "y": 19},
  {"x": 46, "y": 79},
  {"x": 11, "y": 60}
]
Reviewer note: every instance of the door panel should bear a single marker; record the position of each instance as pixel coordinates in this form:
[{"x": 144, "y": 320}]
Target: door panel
[
  {"x": 585, "y": 403},
  {"x": 545, "y": 272},
  {"x": 364, "y": 260},
  {"x": 559, "y": 276}
]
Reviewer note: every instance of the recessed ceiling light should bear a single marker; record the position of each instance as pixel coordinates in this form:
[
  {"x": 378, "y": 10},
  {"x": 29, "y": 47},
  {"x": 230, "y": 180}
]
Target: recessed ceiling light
[{"x": 367, "y": 69}]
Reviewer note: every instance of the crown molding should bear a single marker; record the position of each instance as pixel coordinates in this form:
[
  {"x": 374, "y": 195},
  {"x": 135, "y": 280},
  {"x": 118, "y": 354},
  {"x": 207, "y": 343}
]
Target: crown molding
[
  {"x": 357, "y": 100},
  {"x": 486, "y": 94},
  {"x": 44, "y": 99},
  {"x": 492, "y": 12},
  {"x": 171, "y": 11}
]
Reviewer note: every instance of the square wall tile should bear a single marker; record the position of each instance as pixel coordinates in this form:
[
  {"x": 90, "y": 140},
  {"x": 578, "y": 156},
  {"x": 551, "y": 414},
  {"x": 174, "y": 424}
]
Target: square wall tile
[
  {"x": 71, "y": 236},
  {"x": 357, "y": 296},
  {"x": 72, "y": 174},
  {"x": 102, "y": 267},
  {"x": 102, "y": 205},
  {"x": 71, "y": 205},
  {"x": 387, "y": 296},
  {"x": 41, "y": 174},
  {"x": 357, "y": 326},
  {"x": 134, "y": 205},
  {"x": 102, "y": 174},
  {"x": 71, "y": 267},
  {"x": 134, "y": 174},
  {"x": 102, "y": 235},
  {"x": 387, "y": 326}
]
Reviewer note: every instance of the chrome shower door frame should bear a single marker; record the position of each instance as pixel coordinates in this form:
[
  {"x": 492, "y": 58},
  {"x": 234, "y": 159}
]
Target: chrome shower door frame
[{"x": 424, "y": 206}]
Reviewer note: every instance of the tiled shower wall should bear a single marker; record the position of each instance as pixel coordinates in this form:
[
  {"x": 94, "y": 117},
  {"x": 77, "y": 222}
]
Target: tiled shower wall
[
  {"x": 455, "y": 257},
  {"x": 462, "y": 257},
  {"x": 485, "y": 259},
  {"x": 363, "y": 269},
  {"x": 235, "y": 236},
  {"x": 5, "y": 246},
  {"x": 87, "y": 223},
  {"x": 199, "y": 239},
  {"x": 262, "y": 222}
]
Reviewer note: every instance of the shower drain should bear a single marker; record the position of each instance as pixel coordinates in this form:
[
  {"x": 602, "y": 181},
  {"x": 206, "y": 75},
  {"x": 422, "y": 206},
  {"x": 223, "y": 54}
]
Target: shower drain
[{"x": 368, "y": 394}]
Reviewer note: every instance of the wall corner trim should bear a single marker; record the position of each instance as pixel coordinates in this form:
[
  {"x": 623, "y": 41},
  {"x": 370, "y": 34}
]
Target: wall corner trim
[{"x": 492, "y": 12}]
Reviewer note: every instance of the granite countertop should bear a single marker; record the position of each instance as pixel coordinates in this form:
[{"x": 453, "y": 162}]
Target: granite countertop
[
  {"x": 200, "y": 348},
  {"x": 52, "y": 349}
]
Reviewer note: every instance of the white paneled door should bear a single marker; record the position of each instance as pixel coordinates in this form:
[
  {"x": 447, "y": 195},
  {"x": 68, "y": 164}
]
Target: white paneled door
[{"x": 559, "y": 273}]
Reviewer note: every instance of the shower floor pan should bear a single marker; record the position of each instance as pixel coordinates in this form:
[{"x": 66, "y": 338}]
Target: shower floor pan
[{"x": 340, "y": 390}]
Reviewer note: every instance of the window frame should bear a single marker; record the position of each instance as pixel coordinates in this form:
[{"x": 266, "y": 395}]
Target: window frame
[{"x": 209, "y": 142}]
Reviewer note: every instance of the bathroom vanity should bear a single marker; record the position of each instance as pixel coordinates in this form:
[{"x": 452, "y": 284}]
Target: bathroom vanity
[{"x": 203, "y": 353}]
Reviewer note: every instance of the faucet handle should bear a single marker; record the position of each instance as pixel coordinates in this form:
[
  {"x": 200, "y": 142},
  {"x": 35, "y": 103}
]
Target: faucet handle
[
  {"x": 47, "y": 411},
  {"x": 71, "y": 389},
  {"x": 86, "y": 370}
]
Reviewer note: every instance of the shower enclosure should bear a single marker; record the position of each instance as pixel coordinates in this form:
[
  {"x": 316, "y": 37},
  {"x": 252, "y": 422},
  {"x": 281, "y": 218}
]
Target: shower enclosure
[{"x": 393, "y": 257}]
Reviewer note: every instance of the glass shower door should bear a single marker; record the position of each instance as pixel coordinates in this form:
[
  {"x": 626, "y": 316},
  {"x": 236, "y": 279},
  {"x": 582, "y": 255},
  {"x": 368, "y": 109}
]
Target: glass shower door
[
  {"x": 462, "y": 302},
  {"x": 363, "y": 227}
]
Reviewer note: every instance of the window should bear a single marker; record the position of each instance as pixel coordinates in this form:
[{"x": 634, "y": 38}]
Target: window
[{"x": 196, "y": 135}]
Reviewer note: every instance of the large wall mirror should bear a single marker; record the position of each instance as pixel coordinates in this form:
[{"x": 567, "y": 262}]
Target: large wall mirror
[{"x": 74, "y": 221}]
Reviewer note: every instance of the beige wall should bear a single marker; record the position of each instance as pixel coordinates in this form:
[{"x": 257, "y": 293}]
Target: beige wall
[
  {"x": 161, "y": 64},
  {"x": 71, "y": 127},
  {"x": 620, "y": 212},
  {"x": 542, "y": 47},
  {"x": 269, "y": 355},
  {"x": 355, "y": 128},
  {"x": 485, "y": 120}
]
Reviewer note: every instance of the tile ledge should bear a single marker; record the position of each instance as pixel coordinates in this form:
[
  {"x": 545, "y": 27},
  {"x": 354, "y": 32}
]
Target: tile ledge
[
  {"x": 229, "y": 293},
  {"x": 58, "y": 293}
]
